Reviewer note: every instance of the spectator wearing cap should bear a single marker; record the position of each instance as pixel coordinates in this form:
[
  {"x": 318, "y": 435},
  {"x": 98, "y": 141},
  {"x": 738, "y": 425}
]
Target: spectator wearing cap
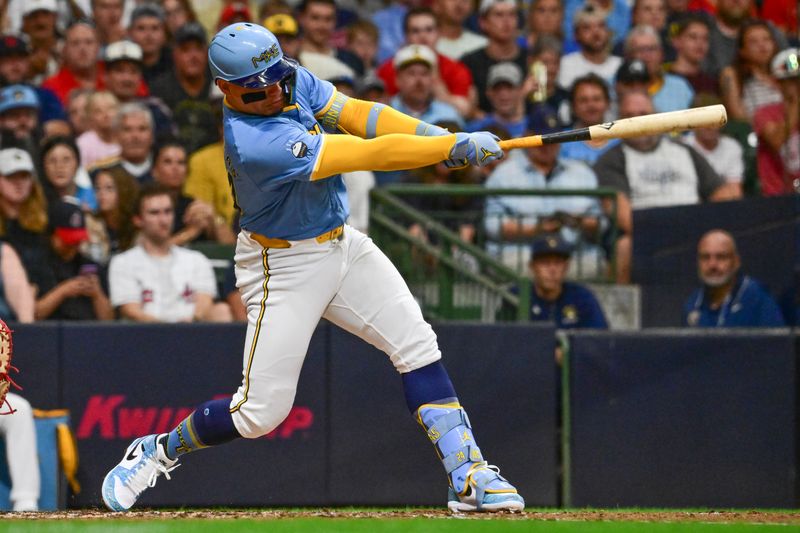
[
  {"x": 723, "y": 153},
  {"x": 39, "y": 24},
  {"x": 776, "y": 124},
  {"x": 15, "y": 68},
  {"x": 79, "y": 67},
  {"x": 728, "y": 298},
  {"x": 63, "y": 176},
  {"x": 71, "y": 287},
  {"x": 148, "y": 29},
  {"x": 453, "y": 82},
  {"x": 507, "y": 100},
  {"x": 372, "y": 88},
  {"x": 318, "y": 21},
  {"x": 498, "y": 21},
  {"x": 512, "y": 221},
  {"x": 234, "y": 12},
  {"x": 632, "y": 76},
  {"x": 553, "y": 298},
  {"x": 23, "y": 209},
  {"x": 591, "y": 102},
  {"x": 108, "y": 18},
  {"x": 187, "y": 89},
  {"x": 690, "y": 41},
  {"x": 415, "y": 65},
  {"x": 669, "y": 92},
  {"x": 593, "y": 55},
  {"x": 19, "y": 115},
  {"x": 135, "y": 134},
  {"x": 284, "y": 27},
  {"x": 125, "y": 80},
  {"x": 653, "y": 171},
  {"x": 455, "y": 41},
  {"x": 617, "y": 14}
]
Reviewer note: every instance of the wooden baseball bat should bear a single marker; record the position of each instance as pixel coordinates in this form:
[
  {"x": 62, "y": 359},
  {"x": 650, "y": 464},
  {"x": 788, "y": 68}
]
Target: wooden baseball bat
[{"x": 712, "y": 116}]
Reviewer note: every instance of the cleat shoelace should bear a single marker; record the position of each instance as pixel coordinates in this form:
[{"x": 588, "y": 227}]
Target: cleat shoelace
[{"x": 138, "y": 485}]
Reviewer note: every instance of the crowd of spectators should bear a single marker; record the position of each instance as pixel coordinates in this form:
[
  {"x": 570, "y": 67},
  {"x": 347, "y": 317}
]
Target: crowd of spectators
[{"x": 110, "y": 128}]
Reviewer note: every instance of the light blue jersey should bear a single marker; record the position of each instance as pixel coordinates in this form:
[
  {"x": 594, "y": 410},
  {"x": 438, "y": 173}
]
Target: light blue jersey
[{"x": 270, "y": 161}]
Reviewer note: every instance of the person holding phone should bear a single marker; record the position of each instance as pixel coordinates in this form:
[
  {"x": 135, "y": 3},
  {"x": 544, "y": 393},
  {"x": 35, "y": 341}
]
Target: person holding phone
[{"x": 71, "y": 287}]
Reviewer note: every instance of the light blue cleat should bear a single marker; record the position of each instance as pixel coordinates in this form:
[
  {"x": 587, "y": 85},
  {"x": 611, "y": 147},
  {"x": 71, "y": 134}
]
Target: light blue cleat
[
  {"x": 139, "y": 469},
  {"x": 475, "y": 485}
]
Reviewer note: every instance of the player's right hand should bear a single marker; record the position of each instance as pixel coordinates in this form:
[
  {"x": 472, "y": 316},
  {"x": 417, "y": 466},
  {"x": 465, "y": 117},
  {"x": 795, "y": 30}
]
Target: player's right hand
[{"x": 479, "y": 148}]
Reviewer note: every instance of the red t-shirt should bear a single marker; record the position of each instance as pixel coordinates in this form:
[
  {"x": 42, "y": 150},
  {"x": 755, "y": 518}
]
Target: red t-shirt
[
  {"x": 777, "y": 171},
  {"x": 64, "y": 82},
  {"x": 455, "y": 74}
]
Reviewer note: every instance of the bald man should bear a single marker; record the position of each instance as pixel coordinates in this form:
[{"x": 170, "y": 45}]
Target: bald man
[{"x": 727, "y": 298}]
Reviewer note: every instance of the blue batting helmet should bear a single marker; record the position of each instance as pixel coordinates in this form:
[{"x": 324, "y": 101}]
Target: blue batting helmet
[{"x": 248, "y": 55}]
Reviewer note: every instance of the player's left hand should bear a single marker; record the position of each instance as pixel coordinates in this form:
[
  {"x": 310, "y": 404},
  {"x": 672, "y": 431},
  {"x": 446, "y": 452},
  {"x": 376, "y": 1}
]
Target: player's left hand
[{"x": 479, "y": 148}]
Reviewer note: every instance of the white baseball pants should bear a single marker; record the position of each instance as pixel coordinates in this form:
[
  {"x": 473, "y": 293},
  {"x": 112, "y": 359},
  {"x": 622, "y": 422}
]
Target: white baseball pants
[
  {"x": 351, "y": 283},
  {"x": 19, "y": 432}
]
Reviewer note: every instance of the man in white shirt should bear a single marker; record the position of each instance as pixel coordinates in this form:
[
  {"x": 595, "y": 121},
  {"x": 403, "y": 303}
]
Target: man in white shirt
[
  {"x": 593, "y": 37},
  {"x": 454, "y": 40},
  {"x": 156, "y": 281}
]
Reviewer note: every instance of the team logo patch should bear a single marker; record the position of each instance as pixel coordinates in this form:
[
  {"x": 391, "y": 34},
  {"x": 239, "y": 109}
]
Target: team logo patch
[{"x": 299, "y": 149}]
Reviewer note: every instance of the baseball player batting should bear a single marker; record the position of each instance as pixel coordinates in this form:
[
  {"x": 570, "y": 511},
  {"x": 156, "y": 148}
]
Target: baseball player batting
[{"x": 297, "y": 261}]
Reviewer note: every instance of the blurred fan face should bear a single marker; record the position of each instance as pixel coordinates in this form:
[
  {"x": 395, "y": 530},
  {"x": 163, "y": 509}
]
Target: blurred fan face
[
  {"x": 21, "y": 121},
  {"x": 505, "y": 98},
  {"x": 191, "y": 59},
  {"x": 500, "y": 22},
  {"x": 81, "y": 48},
  {"x": 15, "y": 68},
  {"x": 60, "y": 166},
  {"x": 135, "y": 137},
  {"x": 16, "y": 187},
  {"x": 593, "y": 35},
  {"x": 169, "y": 168},
  {"x": 318, "y": 22},
  {"x": 717, "y": 260},
  {"x": 106, "y": 191},
  {"x": 123, "y": 79},
  {"x": 758, "y": 46},
  {"x": 692, "y": 43},
  {"x": 636, "y": 104},
  {"x": 155, "y": 218},
  {"x": 546, "y": 17},
  {"x": 422, "y": 30},
  {"x": 149, "y": 33},
  {"x": 415, "y": 83},
  {"x": 650, "y": 13},
  {"x": 549, "y": 271},
  {"x": 107, "y": 13},
  {"x": 177, "y": 16},
  {"x": 590, "y": 104}
]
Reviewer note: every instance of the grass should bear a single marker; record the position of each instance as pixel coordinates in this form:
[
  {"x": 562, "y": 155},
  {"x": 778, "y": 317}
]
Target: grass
[{"x": 400, "y": 521}]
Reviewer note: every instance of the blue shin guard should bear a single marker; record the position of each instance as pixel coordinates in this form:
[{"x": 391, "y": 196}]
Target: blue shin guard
[{"x": 474, "y": 484}]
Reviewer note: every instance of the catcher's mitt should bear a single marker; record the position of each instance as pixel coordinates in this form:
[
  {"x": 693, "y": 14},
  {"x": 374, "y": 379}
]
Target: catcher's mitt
[{"x": 6, "y": 350}]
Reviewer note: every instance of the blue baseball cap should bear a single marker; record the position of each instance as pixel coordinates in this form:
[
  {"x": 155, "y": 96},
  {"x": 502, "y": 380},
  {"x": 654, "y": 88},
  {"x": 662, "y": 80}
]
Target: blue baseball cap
[
  {"x": 18, "y": 96},
  {"x": 551, "y": 244},
  {"x": 248, "y": 55},
  {"x": 544, "y": 120}
]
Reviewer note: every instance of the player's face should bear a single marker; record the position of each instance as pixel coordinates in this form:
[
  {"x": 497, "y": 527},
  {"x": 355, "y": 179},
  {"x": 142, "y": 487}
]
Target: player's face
[
  {"x": 549, "y": 272},
  {"x": 590, "y": 104},
  {"x": 106, "y": 192},
  {"x": 266, "y": 101},
  {"x": 155, "y": 218},
  {"x": 717, "y": 260}
]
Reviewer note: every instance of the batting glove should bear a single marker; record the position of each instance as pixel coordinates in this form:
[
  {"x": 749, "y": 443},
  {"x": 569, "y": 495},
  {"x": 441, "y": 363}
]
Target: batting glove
[{"x": 479, "y": 149}]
